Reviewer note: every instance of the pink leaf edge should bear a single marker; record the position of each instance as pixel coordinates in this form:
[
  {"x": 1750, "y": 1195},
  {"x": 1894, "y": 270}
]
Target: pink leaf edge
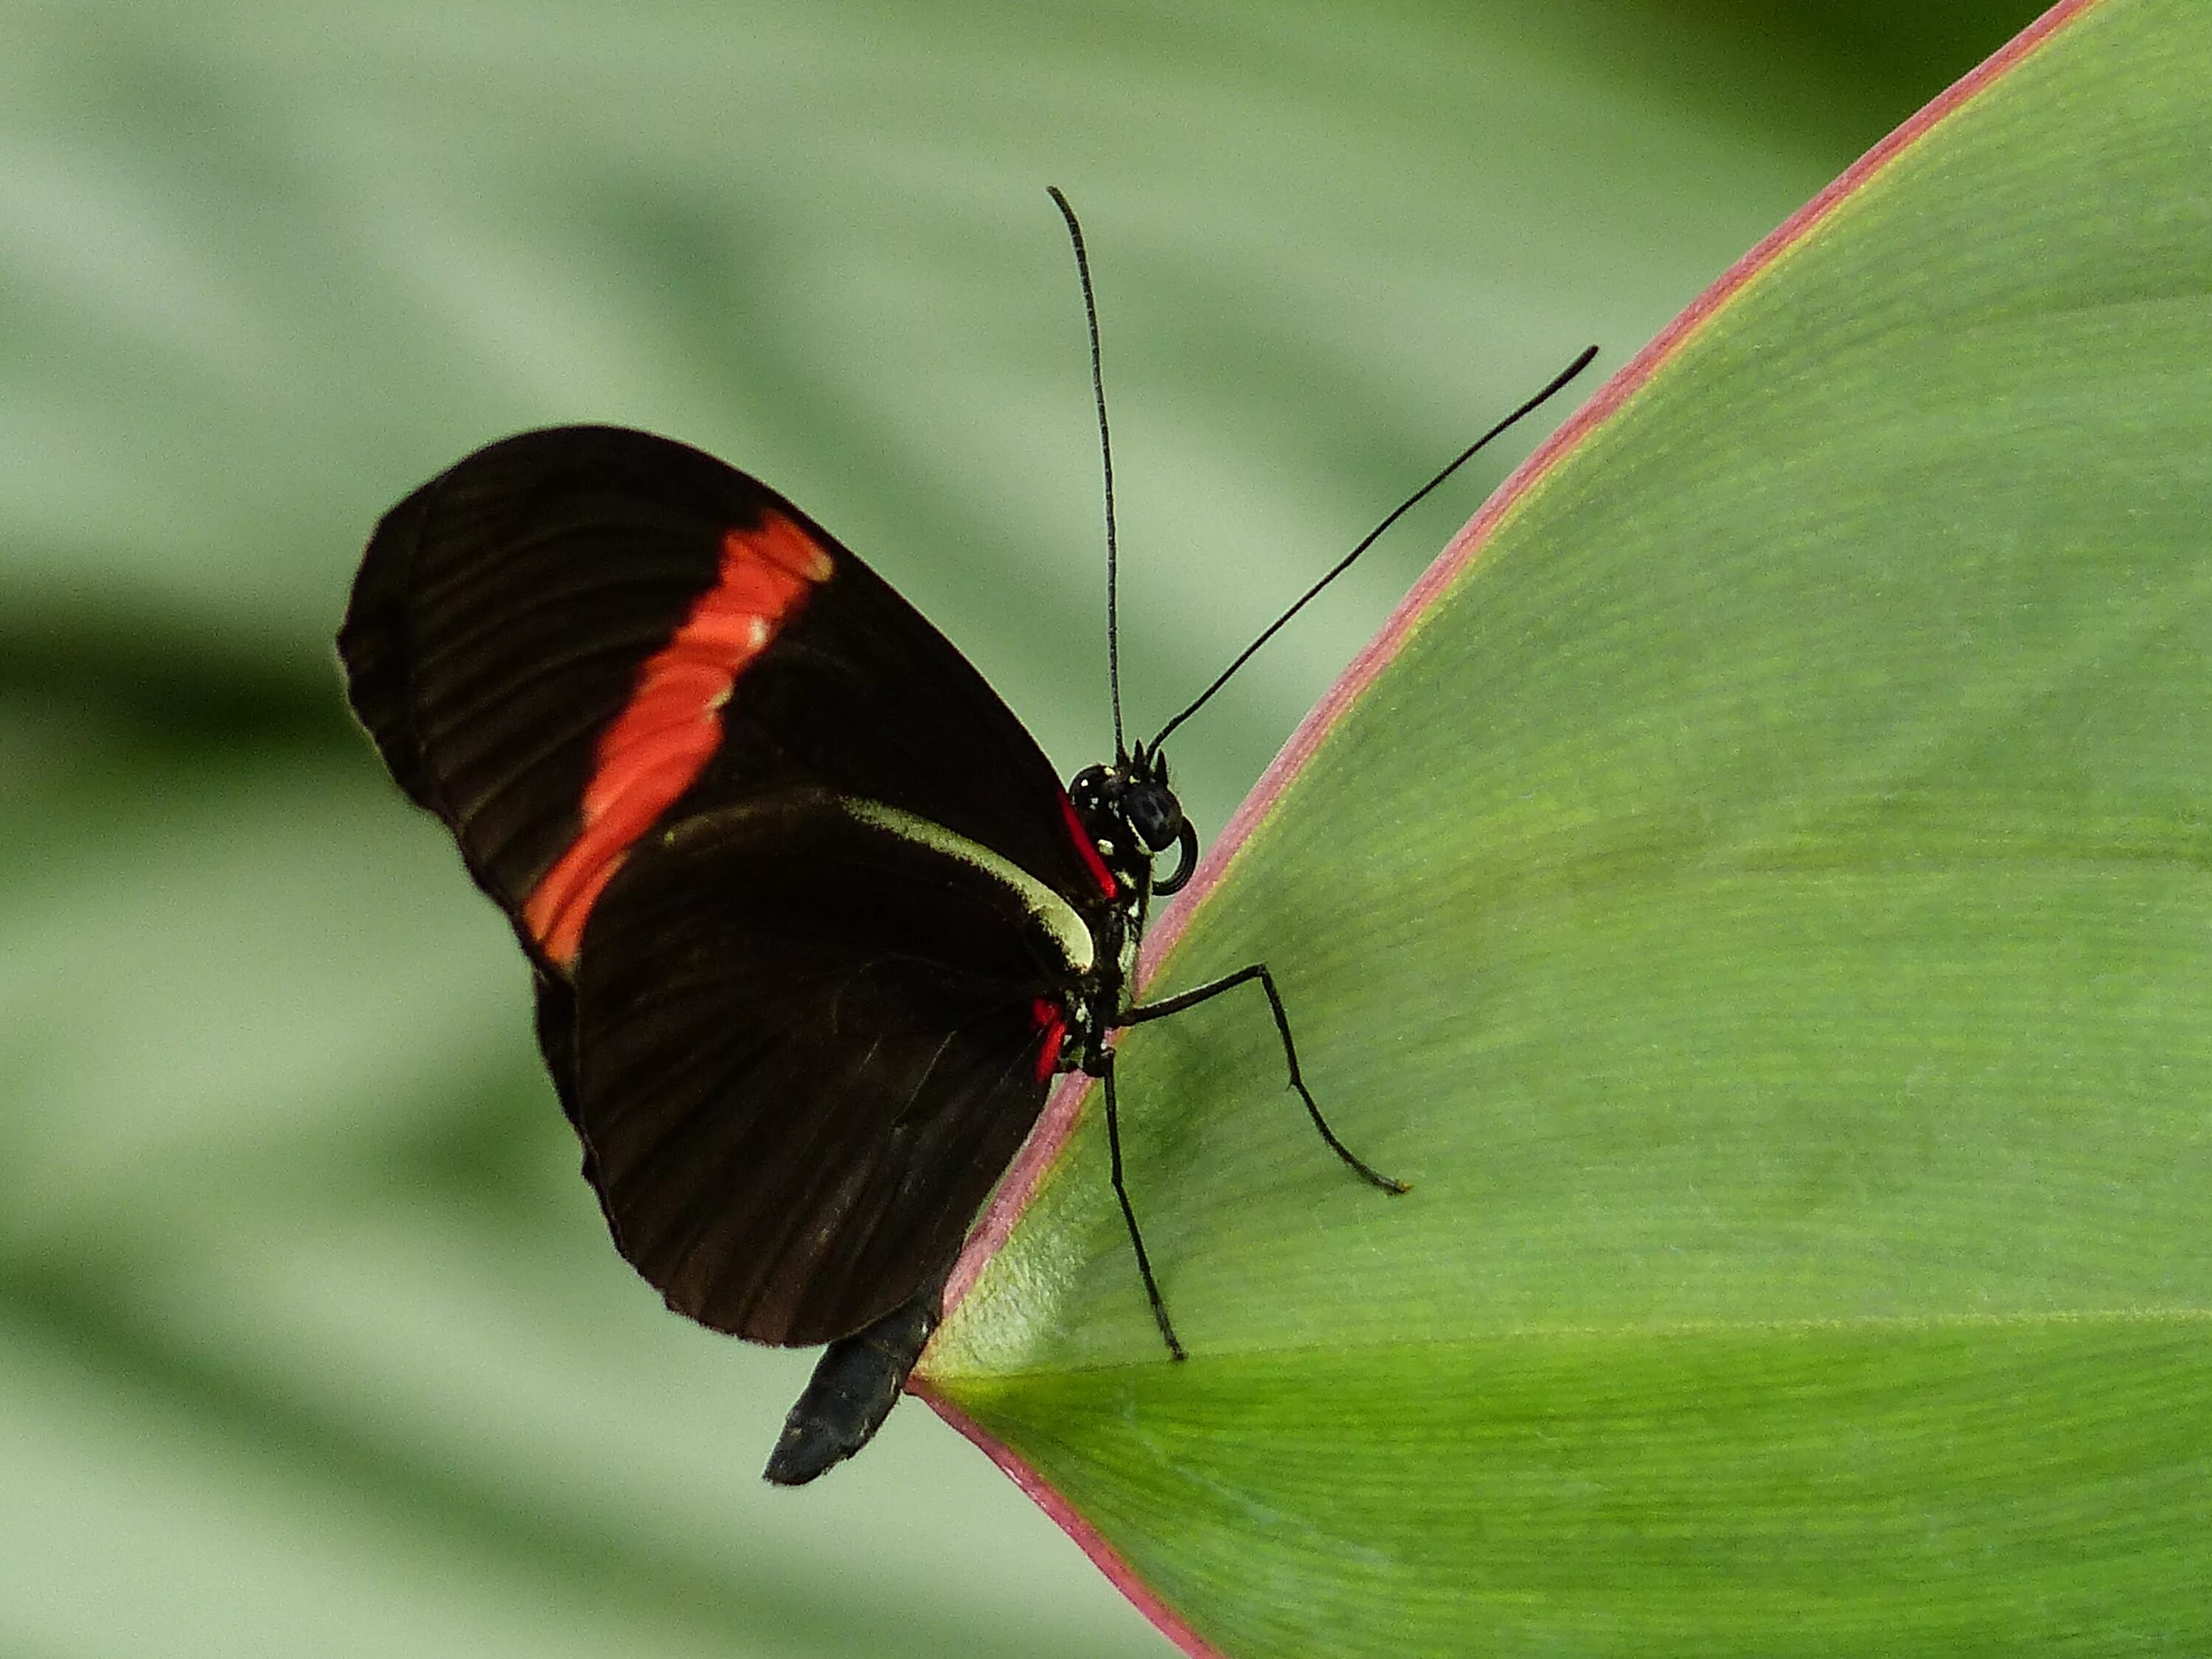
[
  {"x": 1056, "y": 1124},
  {"x": 1088, "y": 1538}
]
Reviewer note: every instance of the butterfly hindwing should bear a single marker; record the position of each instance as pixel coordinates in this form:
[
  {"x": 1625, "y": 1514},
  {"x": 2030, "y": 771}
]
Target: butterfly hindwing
[{"x": 807, "y": 1041}]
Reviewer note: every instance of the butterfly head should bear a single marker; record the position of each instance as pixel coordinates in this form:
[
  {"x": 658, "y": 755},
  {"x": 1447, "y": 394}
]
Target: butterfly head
[{"x": 1130, "y": 811}]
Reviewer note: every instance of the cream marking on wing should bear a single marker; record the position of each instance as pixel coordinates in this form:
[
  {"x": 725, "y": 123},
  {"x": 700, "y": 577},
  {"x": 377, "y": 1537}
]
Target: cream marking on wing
[{"x": 1067, "y": 929}]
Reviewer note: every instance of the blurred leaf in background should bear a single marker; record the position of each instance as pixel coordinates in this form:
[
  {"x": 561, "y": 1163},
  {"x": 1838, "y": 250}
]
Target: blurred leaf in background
[{"x": 311, "y": 1340}]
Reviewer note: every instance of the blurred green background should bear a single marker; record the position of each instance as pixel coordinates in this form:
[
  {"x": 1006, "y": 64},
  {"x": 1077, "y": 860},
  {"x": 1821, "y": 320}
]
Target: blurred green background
[{"x": 311, "y": 1341}]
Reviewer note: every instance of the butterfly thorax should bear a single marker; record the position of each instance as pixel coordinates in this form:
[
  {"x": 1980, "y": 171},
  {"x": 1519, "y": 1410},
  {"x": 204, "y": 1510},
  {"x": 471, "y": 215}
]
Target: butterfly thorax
[{"x": 1131, "y": 816}]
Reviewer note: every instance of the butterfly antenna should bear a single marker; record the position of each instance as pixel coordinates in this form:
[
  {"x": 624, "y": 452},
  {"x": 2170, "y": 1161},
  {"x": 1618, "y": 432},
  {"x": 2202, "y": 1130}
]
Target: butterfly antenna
[
  {"x": 1344, "y": 563},
  {"x": 1106, "y": 457}
]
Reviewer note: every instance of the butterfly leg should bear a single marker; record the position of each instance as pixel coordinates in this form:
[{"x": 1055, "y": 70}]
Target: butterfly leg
[
  {"x": 1128, "y": 1214},
  {"x": 854, "y": 1386},
  {"x": 1176, "y": 1004}
]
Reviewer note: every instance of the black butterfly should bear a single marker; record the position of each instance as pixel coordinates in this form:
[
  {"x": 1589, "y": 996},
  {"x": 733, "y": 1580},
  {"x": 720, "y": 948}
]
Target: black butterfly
[{"x": 812, "y": 924}]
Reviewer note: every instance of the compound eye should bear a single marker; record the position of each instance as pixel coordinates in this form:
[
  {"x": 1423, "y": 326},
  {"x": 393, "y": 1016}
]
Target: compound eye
[{"x": 1154, "y": 814}]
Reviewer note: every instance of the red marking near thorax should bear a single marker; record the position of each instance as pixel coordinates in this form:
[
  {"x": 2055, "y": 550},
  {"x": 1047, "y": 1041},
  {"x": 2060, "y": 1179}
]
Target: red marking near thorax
[
  {"x": 672, "y": 724},
  {"x": 1051, "y": 1019},
  {"x": 1086, "y": 847}
]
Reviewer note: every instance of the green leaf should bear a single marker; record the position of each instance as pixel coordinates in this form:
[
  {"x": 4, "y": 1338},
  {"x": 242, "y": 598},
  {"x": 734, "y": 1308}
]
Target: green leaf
[{"x": 1756, "y": 892}]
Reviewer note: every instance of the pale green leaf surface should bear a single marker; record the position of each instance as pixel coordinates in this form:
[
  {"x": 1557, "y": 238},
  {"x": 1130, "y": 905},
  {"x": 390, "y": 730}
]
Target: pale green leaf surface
[{"x": 1763, "y": 910}]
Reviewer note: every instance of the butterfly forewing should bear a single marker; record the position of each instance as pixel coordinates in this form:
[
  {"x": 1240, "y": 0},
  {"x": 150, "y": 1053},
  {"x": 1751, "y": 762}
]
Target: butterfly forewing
[
  {"x": 574, "y": 635},
  {"x": 500, "y": 619}
]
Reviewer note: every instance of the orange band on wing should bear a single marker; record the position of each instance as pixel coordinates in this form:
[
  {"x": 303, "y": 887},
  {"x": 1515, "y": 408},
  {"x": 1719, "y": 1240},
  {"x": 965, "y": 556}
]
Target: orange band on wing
[{"x": 672, "y": 724}]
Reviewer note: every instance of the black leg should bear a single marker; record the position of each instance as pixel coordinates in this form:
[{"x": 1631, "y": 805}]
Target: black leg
[
  {"x": 1129, "y": 1215},
  {"x": 1176, "y": 1004}
]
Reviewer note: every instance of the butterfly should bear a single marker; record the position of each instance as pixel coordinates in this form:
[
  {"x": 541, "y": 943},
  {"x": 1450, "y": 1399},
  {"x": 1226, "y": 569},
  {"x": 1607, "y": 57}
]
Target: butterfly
[{"x": 811, "y": 923}]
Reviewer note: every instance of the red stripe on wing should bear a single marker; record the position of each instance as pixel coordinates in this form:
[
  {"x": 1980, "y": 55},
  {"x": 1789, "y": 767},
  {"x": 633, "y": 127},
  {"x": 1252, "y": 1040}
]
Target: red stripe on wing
[{"x": 670, "y": 728}]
